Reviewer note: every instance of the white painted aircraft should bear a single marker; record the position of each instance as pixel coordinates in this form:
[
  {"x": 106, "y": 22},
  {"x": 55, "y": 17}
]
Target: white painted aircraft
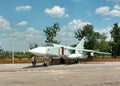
[{"x": 56, "y": 50}]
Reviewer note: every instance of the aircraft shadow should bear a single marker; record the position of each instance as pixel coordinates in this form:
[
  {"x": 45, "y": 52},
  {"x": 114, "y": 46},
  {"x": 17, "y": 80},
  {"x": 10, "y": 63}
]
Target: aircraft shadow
[
  {"x": 37, "y": 66},
  {"x": 65, "y": 64},
  {"x": 53, "y": 64}
]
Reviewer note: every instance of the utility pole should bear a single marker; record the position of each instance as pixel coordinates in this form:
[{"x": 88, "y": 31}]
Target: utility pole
[{"x": 13, "y": 46}]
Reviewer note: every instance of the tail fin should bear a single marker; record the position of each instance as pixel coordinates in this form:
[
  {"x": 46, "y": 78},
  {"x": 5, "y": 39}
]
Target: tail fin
[{"x": 80, "y": 45}]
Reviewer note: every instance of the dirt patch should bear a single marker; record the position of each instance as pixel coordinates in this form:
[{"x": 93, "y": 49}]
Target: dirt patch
[
  {"x": 66, "y": 77},
  {"x": 107, "y": 84}
]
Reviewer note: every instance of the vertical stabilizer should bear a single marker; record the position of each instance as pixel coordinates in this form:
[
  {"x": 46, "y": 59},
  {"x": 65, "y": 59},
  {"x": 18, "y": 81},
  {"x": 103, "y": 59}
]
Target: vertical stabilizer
[{"x": 80, "y": 45}]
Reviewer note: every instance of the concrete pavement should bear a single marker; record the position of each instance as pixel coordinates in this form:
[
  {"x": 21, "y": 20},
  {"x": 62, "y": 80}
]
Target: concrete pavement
[{"x": 86, "y": 65}]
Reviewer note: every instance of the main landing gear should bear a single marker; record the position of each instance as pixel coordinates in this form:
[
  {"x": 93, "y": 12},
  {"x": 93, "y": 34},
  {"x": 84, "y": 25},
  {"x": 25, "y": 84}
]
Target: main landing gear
[
  {"x": 34, "y": 61},
  {"x": 45, "y": 61},
  {"x": 62, "y": 60},
  {"x": 77, "y": 60}
]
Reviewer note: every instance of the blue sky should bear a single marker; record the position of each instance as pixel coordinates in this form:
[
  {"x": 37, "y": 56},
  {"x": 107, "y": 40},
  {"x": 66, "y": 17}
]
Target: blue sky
[{"x": 28, "y": 19}]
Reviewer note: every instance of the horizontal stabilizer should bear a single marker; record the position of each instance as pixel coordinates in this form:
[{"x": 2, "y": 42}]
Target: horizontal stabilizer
[{"x": 93, "y": 51}]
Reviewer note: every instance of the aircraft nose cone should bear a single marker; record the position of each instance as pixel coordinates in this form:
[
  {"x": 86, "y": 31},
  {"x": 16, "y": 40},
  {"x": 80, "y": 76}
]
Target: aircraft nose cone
[
  {"x": 38, "y": 51},
  {"x": 31, "y": 51}
]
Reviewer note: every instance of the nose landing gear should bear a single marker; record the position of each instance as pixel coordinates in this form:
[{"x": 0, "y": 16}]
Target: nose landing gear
[{"x": 34, "y": 61}]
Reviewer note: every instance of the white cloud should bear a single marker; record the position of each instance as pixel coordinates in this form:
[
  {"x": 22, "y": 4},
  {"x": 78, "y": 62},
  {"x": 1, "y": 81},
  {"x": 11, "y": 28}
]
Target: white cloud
[
  {"x": 76, "y": 24},
  {"x": 56, "y": 11},
  {"x": 29, "y": 34},
  {"x": 103, "y": 10},
  {"x": 22, "y": 23},
  {"x": 115, "y": 1},
  {"x": 31, "y": 29},
  {"x": 5, "y": 31},
  {"x": 4, "y": 24},
  {"x": 106, "y": 11},
  {"x": 107, "y": 19},
  {"x": 117, "y": 7},
  {"x": 66, "y": 15},
  {"x": 119, "y": 24},
  {"x": 22, "y": 38},
  {"x": 23, "y": 8},
  {"x": 76, "y": 0},
  {"x": 115, "y": 13},
  {"x": 66, "y": 34},
  {"x": 106, "y": 31}
]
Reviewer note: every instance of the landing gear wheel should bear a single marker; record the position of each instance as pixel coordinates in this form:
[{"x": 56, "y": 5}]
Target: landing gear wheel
[
  {"x": 45, "y": 61},
  {"x": 77, "y": 61},
  {"x": 62, "y": 60},
  {"x": 46, "y": 64},
  {"x": 34, "y": 62}
]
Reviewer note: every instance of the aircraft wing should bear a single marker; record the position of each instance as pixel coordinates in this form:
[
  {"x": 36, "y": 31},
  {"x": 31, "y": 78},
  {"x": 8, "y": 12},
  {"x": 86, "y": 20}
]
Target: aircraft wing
[{"x": 93, "y": 51}]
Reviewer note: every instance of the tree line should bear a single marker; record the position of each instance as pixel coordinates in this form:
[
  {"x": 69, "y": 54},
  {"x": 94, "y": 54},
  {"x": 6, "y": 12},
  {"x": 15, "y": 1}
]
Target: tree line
[{"x": 94, "y": 40}]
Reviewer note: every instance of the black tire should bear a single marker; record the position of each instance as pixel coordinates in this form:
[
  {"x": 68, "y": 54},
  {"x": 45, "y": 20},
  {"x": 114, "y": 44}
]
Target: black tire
[
  {"x": 46, "y": 64},
  {"x": 62, "y": 60}
]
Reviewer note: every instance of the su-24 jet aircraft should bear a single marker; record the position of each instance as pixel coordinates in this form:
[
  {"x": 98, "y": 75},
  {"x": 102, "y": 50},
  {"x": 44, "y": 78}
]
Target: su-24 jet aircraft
[{"x": 56, "y": 50}]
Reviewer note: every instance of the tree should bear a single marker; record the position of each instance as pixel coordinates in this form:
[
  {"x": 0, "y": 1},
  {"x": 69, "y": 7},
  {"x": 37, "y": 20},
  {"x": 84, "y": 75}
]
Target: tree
[
  {"x": 1, "y": 53},
  {"x": 1, "y": 50},
  {"x": 95, "y": 40},
  {"x": 33, "y": 45},
  {"x": 103, "y": 45},
  {"x": 90, "y": 35},
  {"x": 51, "y": 32},
  {"x": 115, "y": 43}
]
